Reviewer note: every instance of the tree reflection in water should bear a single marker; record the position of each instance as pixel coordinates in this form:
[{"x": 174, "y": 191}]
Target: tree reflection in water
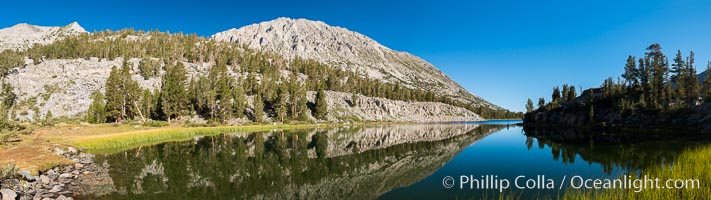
[
  {"x": 613, "y": 150},
  {"x": 339, "y": 163}
]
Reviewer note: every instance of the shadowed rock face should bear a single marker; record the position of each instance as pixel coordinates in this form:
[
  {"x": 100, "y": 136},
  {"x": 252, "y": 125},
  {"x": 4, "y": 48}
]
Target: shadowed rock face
[
  {"x": 348, "y": 50},
  {"x": 342, "y": 163}
]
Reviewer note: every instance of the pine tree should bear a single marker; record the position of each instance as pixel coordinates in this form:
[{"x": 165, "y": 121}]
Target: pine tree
[
  {"x": 148, "y": 68},
  {"x": 5, "y": 122},
  {"x": 8, "y": 95},
  {"x": 130, "y": 92},
  {"x": 659, "y": 69},
  {"x": 48, "y": 118},
  {"x": 198, "y": 95},
  {"x": 221, "y": 100},
  {"x": 294, "y": 97},
  {"x": 147, "y": 103},
  {"x": 678, "y": 66},
  {"x": 644, "y": 75},
  {"x": 113, "y": 95},
  {"x": 529, "y": 105},
  {"x": 541, "y": 103},
  {"x": 239, "y": 100},
  {"x": 679, "y": 76},
  {"x": 224, "y": 93},
  {"x": 692, "y": 81},
  {"x": 321, "y": 105},
  {"x": 97, "y": 112},
  {"x": 556, "y": 95},
  {"x": 564, "y": 93},
  {"x": 173, "y": 95},
  {"x": 258, "y": 108},
  {"x": 157, "y": 105},
  {"x": 250, "y": 84},
  {"x": 631, "y": 74},
  {"x": 193, "y": 95},
  {"x": 572, "y": 94},
  {"x": 281, "y": 103},
  {"x": 608, "y": 87}
]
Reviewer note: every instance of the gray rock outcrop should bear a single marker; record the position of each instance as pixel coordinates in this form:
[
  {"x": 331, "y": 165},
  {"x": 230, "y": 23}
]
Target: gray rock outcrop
[
  {"x": 380, "y": 109},
  {"x": 64, "y": 86}
]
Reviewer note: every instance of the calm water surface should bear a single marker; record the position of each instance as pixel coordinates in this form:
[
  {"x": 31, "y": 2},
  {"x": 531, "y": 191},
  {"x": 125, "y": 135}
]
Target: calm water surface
[{"x": 371, "y": 162}]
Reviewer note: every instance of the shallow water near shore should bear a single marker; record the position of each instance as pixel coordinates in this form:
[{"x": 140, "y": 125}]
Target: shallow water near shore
[{"x": 410, "y": 161}]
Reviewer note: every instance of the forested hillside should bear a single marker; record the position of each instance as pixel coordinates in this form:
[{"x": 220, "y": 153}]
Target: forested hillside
[{"x": 202, "y": 77}]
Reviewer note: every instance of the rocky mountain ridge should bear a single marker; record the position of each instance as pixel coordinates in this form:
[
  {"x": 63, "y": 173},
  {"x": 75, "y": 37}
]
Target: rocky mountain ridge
[
  {"x": 349, "y": 50},
  {"x": 64, "y": 86},
  {"x": 23, "y": 35}
]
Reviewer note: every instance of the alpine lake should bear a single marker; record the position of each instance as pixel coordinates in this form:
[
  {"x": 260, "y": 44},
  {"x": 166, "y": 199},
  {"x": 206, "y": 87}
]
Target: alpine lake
[{"x": 468, "y": 160}]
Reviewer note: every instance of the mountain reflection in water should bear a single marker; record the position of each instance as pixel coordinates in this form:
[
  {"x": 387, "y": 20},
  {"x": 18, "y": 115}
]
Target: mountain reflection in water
[
  {"x": 371, "y": 162},
  {"x": 359, "y": 162}
]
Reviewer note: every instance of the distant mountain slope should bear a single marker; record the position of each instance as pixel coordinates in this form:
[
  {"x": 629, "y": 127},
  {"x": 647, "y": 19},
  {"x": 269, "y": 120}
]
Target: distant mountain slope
[
  {"x": 349, "y": 50},
  {"x": 702, "y": 76},
  {"x": 22, "y": 36},
  {"x": 60, "y": 80}
]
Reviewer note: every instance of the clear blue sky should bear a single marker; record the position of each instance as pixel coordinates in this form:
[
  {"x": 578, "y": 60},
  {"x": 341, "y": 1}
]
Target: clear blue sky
[{"x": 504, "y": 51}]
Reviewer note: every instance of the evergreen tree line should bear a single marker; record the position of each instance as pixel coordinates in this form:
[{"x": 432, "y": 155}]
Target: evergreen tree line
[
  {"x": 218, "y": 95},
  {"x": 647, "y": 83},
  {"x": 7, "y": 100}
]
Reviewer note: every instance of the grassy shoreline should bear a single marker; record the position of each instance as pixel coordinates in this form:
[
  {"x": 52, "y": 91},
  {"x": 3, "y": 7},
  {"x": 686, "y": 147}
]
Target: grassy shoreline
[{"x": 691, "y": 164}]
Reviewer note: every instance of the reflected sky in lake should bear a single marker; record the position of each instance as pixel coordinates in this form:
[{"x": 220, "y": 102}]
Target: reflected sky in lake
[{"x": 503, "y": 154}]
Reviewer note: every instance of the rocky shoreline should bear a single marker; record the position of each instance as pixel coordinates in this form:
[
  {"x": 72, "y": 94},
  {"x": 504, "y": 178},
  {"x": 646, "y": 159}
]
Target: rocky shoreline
[{"x": 60, "y": 183}]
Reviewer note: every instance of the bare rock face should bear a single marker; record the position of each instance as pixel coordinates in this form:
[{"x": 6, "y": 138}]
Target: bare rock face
[
  {"x": 64, "y": 86},
  {"x": 348, "y": 50},
  {"x": 341, "y": 108},
  {"x": 23, "y": 36}
]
